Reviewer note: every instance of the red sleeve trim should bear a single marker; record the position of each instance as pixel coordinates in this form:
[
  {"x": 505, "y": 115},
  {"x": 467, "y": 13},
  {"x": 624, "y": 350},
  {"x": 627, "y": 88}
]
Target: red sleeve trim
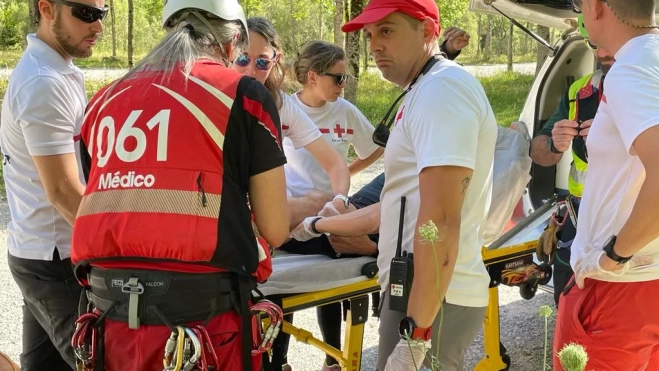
[{"x": 255, "y": 109}]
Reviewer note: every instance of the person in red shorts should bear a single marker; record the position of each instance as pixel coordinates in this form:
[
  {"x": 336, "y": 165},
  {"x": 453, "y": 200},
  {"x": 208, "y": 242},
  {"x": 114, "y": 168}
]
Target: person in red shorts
[
  {"x": 610, "y": 305},
  {"x": 186, "y": 192}
]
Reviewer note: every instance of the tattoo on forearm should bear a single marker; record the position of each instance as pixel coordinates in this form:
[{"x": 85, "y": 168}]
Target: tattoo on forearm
[{"x": 465, "y": 184}]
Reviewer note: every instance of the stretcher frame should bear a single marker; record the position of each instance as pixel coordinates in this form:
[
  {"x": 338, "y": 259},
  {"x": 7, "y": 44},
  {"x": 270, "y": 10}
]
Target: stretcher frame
[{"x": 500, "y": 261}]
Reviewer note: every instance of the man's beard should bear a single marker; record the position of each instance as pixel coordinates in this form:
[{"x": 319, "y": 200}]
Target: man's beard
[
  {"x": 66, "y": 43},
  {"x": 605, "y": 67}
]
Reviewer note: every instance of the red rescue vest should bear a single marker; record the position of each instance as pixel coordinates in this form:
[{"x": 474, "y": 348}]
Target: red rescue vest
[{"x": 166, "y": 186}]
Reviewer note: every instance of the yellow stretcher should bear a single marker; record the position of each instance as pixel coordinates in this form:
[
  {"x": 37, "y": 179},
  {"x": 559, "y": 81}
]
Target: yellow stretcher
[{"x": 509, "y": 260}]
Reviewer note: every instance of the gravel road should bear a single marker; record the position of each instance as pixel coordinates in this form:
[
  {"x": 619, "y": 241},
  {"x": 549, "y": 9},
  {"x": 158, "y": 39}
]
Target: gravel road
[{"x": 522, "y": 331}]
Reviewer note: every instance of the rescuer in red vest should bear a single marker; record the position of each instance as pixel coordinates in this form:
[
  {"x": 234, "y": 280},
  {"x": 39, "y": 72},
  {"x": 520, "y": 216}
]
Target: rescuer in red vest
[{"x": 184, "y": 165}]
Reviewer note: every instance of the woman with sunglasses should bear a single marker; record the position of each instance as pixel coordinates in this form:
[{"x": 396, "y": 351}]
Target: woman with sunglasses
[
  {"x": 320, "y": 69},
  {"x": 263, "y": 60}
]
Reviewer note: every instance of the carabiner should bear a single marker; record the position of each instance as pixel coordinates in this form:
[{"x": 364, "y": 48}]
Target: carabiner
[{"x": 173, "y": 360}]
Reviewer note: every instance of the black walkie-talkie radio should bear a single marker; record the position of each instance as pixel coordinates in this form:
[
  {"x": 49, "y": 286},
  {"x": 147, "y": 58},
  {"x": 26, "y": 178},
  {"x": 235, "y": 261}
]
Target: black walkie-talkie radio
[{"x": 401, "y": 272}]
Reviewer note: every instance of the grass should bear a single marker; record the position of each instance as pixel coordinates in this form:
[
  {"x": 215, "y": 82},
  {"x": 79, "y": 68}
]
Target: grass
[{"x": 506, "y": 92}]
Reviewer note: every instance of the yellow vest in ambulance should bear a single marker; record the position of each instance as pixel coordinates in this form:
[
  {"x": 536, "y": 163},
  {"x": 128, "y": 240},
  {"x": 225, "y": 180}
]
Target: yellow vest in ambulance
[{"x": 584, "y": 96}]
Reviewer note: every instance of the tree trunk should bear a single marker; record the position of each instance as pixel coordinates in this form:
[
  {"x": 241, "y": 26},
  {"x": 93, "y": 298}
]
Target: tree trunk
[
  {"x": 113, "y": 30},
  {"x": 525, "y": 41},
  {"x": 365, "y": 52},
  {"x": 32, "y": 9},
  {"x": 488, "y": 39},
  {"x": 352, "y": 54},
  {"x": 543, "y": 32},
  {"x": 130, "y": 34},
  {"x": 31, "y": 24},
  {"x": 321, "y": 10},
  {"x": 510, "y": 47},
  {"x": 338, "y": 22}
]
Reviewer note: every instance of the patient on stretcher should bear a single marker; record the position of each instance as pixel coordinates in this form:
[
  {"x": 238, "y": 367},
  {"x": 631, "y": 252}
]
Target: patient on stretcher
[{"x": 335, "y": 247}]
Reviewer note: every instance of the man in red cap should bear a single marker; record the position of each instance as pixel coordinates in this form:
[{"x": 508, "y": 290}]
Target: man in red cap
[{"x": 438, "y": 159}]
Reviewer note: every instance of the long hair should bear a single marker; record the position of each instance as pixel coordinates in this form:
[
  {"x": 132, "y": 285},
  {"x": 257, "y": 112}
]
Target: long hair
[
  {"x": 192, "y": 36},
  {"x": 275, "y": 81},
  {"x": 317, "y": 56}
]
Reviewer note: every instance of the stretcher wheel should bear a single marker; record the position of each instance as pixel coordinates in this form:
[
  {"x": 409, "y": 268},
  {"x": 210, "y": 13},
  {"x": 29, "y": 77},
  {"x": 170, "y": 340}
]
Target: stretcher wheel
[
  {"x": 527, "y": 290},
  {"x": 370, "y": 269},
  {"x": 546, "y": 268}
]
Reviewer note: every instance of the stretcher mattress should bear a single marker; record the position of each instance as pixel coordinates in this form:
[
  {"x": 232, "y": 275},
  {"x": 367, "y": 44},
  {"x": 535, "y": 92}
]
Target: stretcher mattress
[{"x": 298, "y": 274}]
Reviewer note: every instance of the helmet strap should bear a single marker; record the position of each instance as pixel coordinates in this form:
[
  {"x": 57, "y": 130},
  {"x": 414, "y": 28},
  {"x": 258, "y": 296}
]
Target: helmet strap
[{"x": 205, "y": 21}]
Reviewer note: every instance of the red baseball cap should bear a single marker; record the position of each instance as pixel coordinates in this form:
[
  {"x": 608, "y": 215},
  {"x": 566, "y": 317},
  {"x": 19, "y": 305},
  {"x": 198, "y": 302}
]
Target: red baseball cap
[{"x": 376, "y": 10}]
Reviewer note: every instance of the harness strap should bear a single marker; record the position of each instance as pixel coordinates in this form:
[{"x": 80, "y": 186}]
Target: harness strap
[
  {"x": 245, "y": 293},
  {"x": 134, "y": 288}
]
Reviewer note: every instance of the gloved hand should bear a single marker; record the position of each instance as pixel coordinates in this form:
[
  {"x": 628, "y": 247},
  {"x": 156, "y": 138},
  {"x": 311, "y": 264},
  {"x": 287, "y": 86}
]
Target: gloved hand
[
  {"x": 329, "y": 210},
  {"x": 591, "y": 265},
  {"x": 303, "y": 231},
  {"x": 407, "y": 356},
  {"x": 546, "y": 249}
]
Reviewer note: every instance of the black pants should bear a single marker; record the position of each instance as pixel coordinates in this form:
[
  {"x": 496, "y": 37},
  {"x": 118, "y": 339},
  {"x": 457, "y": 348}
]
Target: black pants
[
  {"x": 50, "y": 308},
  {"x": 562, "y": 269},
  {"x": 562, "y": 272}
]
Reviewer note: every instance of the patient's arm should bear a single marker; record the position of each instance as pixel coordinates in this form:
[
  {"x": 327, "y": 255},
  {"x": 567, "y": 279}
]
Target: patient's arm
[
  {"x": 357, "y": 223},
  {"x": 358, "y": 245}
]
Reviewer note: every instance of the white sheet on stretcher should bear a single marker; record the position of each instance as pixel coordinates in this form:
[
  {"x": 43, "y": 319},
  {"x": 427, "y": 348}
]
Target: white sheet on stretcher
[{"x": 298, "y": 274}]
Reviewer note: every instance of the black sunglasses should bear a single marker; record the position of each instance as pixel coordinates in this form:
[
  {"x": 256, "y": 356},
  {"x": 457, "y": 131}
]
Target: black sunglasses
[
  {"x": 339, "y": 78},
  {"x": 382, "y": 131},
  {"x": 590, "y": 45},
  {"x": 576, "y": 5},
  {"x": 85, "y": 13}
]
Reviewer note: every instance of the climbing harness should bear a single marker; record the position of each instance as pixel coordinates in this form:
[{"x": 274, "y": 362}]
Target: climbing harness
[
  {"x": 276, "y": 317},
  {"x": 84, "y": 341},
  {"x": 191, "y": 349}
]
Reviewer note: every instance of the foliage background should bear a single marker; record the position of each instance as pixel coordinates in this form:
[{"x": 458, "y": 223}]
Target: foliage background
[{"x": 297, "y": 22}]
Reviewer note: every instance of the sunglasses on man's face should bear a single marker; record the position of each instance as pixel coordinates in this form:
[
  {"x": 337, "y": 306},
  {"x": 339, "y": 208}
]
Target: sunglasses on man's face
[
  {"x": 261, "y": 63},
  {"x": 590, "y": 45},
  {"x": 576, "y": 5},
  {"x": 339, "y": 78},
  {"x": 85, "y": 13}
]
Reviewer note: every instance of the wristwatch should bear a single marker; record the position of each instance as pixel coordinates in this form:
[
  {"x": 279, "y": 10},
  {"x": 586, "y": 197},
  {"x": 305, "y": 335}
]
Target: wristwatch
[
  {"x": 552, "y": 148},
  {"x": 407, "y": 328},
  {"x": 608, "y": 249},
  {"x": 346, "y": 200},
  {"x": 313, "y": 225}
]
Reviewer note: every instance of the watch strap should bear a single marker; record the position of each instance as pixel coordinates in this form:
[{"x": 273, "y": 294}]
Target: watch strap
[
  {"x": 611, "y": 254},
  {"x": 313, "y": 225},
  {"x": 345, "y": 199},
  {"x": 409, "y": 329},
  {"x": 552, "y": 148},
  {"x": 421, "y": 333}
]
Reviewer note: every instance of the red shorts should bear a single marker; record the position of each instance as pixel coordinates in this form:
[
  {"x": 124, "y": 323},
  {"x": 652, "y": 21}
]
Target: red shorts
[
  {"x": 143, "y": 349},
  {"x": 617, "y": 324}
]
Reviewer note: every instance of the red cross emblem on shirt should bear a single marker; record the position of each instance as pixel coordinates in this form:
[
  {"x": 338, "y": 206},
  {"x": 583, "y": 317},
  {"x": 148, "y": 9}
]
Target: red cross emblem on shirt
[{"x": 339, "y": 131}]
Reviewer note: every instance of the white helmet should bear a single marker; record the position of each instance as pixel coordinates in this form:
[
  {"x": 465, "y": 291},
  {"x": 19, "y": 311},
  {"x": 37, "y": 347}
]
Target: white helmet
[{"x": 229, "y": 10}]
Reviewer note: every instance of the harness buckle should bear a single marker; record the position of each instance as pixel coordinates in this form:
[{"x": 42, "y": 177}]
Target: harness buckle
[{"x": 134, "y": 289}]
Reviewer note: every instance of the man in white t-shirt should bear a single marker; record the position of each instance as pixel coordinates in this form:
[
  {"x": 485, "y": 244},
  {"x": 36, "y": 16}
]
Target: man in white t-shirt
[
  {"x": 42, "y": 111},
  {"x": 439, "y": 156},
  {"x": 610, "y": 306}
]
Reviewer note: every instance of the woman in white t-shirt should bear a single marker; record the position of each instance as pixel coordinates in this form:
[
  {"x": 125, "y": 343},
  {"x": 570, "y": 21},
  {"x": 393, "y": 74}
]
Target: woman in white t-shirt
[
  {"x": 321, "y": 70},
  {"x": 263, "y": 60}
]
